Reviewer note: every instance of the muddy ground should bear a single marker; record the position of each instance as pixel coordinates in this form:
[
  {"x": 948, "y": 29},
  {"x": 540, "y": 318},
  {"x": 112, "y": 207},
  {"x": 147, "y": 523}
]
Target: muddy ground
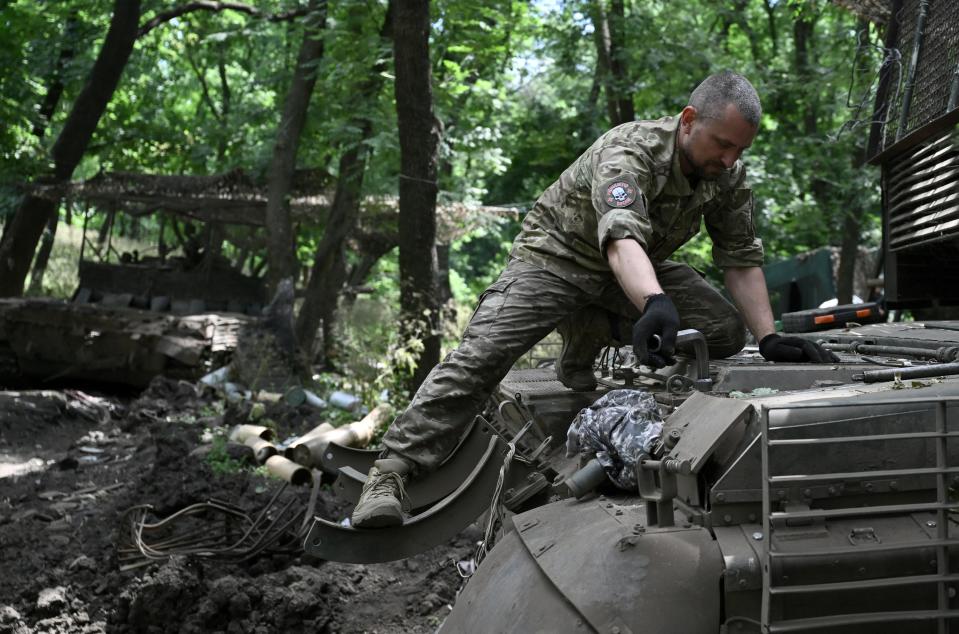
[{"x": 73, "y": 463}]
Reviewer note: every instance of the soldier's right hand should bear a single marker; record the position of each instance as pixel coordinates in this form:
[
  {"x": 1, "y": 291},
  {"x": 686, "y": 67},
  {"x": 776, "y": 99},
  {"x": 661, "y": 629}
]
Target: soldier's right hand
[{"x": 659, "y": 318}]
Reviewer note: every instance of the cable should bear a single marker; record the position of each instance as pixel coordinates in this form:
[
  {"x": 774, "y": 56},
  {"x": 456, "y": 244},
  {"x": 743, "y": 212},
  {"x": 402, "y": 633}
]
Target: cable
[{"x": 273, "y": 529}]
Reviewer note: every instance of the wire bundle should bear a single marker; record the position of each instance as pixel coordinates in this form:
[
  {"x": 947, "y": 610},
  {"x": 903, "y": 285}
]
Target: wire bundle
[{"x": 192, "y": 531}]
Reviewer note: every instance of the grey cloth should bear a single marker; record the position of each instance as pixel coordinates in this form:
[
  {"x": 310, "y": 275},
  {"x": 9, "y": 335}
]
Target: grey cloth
[{"x": 620, "y": 428}]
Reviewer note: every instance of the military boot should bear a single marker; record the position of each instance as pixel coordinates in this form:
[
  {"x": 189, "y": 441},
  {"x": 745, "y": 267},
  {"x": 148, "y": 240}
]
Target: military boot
[
  {"x": 584, "y": 333},
  {"x": 384, "y": 498}
]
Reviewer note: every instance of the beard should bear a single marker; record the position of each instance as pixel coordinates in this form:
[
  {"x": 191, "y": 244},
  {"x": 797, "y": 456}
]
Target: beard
[{"x": 708, "y": 171}]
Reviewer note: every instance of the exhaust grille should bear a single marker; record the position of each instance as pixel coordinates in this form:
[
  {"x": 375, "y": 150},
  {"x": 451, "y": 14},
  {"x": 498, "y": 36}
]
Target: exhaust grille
[
  {"x": 783, "y": 598},
  {"x": 922, "y": 194}
]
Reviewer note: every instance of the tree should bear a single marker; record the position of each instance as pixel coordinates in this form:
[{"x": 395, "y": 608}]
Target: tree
[
  {"x": 419, "y": 133},
  {"x": 23, "y": 231},
  {"x": 47, "y": 108},
  {"x": 280, "y": 244},
  {"x": 610, "y": 38},
  {"x": 329, "y": 265}
]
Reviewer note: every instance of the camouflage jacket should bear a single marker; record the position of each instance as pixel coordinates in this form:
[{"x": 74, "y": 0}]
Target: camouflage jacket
[{"x": 629, "y": 184}]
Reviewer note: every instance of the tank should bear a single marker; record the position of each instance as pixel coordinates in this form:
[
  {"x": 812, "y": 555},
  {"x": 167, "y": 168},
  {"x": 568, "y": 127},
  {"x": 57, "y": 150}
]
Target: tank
[
  {"x": 797, "y": 497},
  {"x": 780, "y": 498}
]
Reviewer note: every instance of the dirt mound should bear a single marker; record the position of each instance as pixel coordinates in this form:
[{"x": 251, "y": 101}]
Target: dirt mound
[{"x": 64, "y": 530}]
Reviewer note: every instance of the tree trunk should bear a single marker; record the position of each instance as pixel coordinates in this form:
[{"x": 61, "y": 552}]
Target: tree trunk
[
  {"x": 55, "y": 89},
  {"x": 372, "y": 248},
  {"x": 49, "y": 106},
  {"x": 609, "y": 37},
  {"x": 24, "y": 230},
  {"x": 107, "y": 226},
  {"x": 770, "y": 8},
  {"x": 443, "y": 289},
  {"x": 617, "y": 64},
  {"x": 324, "y": 286},
  {"x": 336, "y": 278},
  {"x": 852, "y": 219},
  {"x": 280, "y": 241},
  {"x": 848, "y": 252},
  {"x": 162, "y": 248},
  {"x": 802, "y": 37},
  {"x": 419, "y": 132},
  {"x": 43, "y": 256},
  {"x": 325, "y": 283},
  {"x": 601, "y": 38}
]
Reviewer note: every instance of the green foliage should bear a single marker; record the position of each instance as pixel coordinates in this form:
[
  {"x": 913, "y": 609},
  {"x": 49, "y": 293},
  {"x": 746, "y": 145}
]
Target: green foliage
[
  {"x": 515, "y": 88},
  {"x": 804, "y": 174},
  {"x": 477, "y": 258},
  {"x": 219, "y": 458},
  {"x": 371, "y": 356}
]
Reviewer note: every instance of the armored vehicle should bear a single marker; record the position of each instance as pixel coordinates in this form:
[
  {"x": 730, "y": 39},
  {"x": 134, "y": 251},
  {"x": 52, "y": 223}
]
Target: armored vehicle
[{"x": 780, "y": 498}]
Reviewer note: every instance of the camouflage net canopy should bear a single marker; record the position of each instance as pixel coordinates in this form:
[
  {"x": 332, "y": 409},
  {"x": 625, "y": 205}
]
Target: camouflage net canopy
[
  {"x": 239, "y": 199},
  {"x": 877, "y": 11}
]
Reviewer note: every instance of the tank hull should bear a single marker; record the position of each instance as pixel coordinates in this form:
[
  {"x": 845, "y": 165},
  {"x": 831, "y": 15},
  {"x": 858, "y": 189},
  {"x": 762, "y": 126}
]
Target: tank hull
[{"x": 594, "y": 566}]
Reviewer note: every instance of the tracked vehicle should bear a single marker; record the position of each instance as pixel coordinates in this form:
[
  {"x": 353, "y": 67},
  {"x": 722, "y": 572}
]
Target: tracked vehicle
[{"x": 781, "y": 498}]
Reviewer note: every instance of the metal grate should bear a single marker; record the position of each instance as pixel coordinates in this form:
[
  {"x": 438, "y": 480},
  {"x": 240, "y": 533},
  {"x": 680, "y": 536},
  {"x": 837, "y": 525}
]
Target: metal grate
[
  {"x": 922, "y": 194},
  {"x": 925, "y": 68},
  {"x": 777, "y": 592}
]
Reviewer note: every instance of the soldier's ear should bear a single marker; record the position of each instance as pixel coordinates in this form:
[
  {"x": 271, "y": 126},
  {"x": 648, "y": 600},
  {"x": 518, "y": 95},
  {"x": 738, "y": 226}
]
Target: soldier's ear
[{"x": 686, "y": 118}]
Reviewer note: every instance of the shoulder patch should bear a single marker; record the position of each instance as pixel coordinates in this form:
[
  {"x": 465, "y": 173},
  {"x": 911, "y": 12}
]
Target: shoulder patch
[{"x": 620, "y": 193}]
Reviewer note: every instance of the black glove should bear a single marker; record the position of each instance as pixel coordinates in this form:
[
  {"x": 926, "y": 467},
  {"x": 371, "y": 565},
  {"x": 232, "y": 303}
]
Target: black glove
[
  {"x": 775, "y": 347},
  {"x": 659, "y": 318}
]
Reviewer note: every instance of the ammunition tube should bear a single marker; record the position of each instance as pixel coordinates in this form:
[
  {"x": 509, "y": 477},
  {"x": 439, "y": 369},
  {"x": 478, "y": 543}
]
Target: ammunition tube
[
  {"x": 241, "y": 432},
  {"x": 319, "y": 430},
  {"x": 288, "y": 470},
  {"x": 262, "y": 449},
  {"x": 358, "y": 434},
  {"x": 310, "y": 451},
  {"x": 298, "y": 396}
]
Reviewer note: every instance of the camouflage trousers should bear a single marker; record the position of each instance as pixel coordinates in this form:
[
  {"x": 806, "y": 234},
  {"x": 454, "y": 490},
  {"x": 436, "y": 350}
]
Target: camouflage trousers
[{"x": 520, "y": 308}]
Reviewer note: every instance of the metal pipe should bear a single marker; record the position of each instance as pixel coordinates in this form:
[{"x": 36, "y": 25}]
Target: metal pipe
[
  {"x": 954, "y": 91},
  {"x": 586, "y": 479},
  {"x": 944, "y": 354},
  {"x": 913, "y": 63},
  {"x": 916, "y": 372}
]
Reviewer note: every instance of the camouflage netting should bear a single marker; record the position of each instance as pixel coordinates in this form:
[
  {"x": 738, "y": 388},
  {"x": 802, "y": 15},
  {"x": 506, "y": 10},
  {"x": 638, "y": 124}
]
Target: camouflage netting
[
  {"x": 620, "y": 428},
  {"x": 237, "y": 198},
  {"x": 873, "y": 10}
]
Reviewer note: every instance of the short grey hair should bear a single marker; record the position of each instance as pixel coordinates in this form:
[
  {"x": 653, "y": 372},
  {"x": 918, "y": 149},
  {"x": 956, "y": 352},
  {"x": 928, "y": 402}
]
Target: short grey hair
[{"x": 717, "y": 91}]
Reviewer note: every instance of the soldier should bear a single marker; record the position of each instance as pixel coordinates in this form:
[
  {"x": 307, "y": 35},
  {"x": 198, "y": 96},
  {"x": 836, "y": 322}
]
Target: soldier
[{"x": 592, "y": 255}]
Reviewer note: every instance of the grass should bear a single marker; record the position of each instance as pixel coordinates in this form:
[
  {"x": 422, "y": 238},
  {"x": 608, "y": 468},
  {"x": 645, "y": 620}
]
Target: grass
[{"x": 219, "y": 458}]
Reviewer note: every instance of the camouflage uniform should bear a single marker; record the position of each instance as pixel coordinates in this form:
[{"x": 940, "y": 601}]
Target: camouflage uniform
[{"x": 628, "y": 184}]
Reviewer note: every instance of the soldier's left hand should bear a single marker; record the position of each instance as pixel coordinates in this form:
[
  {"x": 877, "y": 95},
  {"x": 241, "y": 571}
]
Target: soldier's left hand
[{"x": 775, "y": 347}]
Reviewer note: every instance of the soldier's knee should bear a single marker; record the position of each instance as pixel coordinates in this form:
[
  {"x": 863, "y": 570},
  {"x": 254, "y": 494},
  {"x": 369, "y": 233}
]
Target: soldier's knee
[{"x": 729, "y": 337}]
